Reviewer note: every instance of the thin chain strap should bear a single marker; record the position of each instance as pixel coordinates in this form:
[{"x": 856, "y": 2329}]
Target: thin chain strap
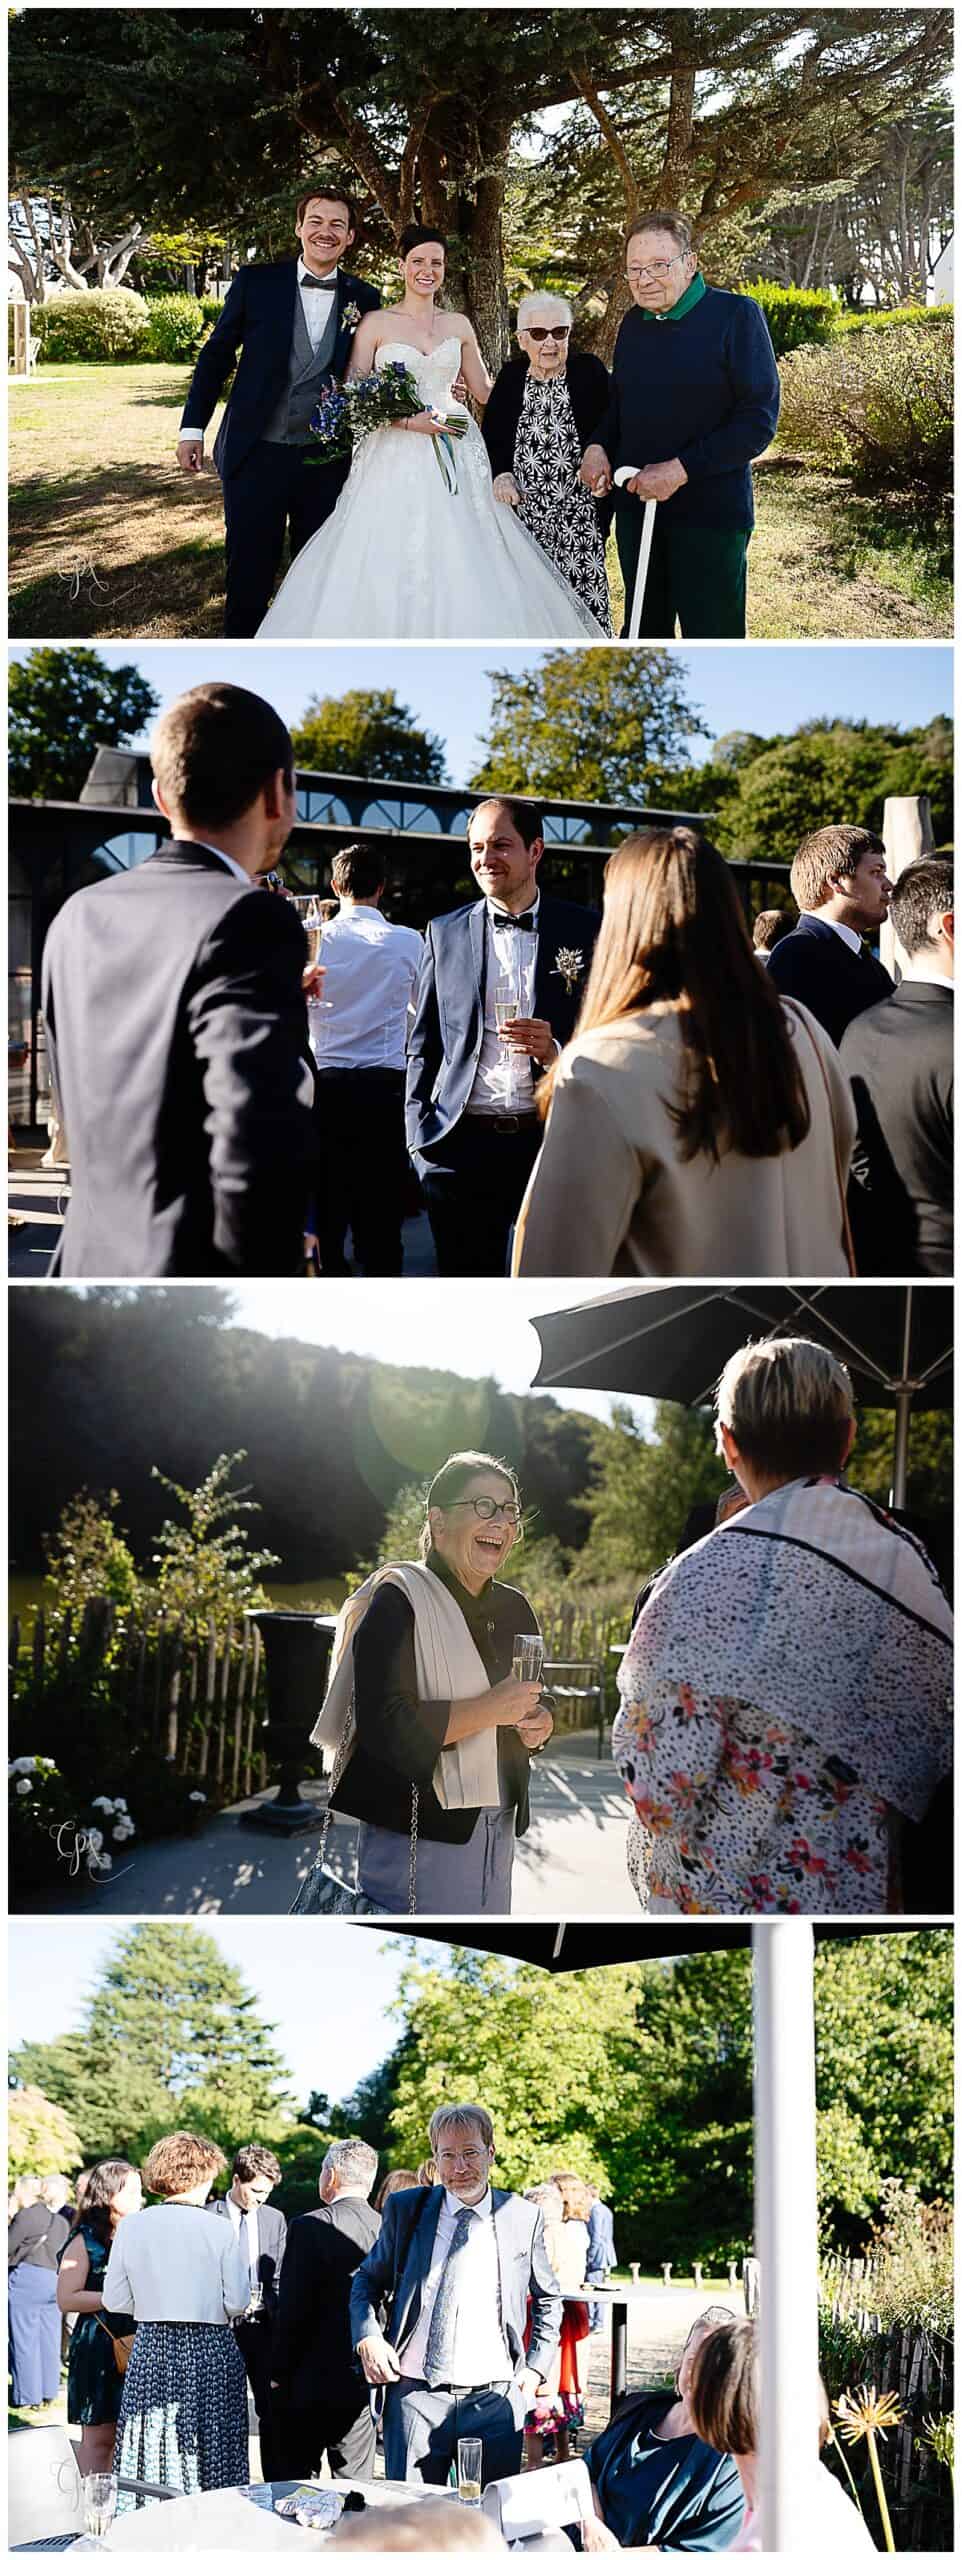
[{"x": 413, "y": 1870}]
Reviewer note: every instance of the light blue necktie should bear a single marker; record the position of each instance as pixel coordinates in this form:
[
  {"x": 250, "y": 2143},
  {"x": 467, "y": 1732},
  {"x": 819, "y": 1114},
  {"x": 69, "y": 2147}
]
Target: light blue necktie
[{"x": 439, "y": 2352}]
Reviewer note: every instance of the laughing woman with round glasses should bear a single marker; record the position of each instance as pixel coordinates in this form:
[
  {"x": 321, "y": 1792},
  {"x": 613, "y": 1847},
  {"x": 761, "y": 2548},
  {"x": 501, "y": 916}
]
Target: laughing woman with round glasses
[
  {"x": 430, "y": 1729},
  {"x": 546, "y": 408}
]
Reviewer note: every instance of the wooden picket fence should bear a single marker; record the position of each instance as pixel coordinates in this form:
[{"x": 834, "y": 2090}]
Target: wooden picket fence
[
  {"x": 920, "y": 2368},
  {"x": 575, "y": 1636},
  {"x": 198, "y": 1698}
]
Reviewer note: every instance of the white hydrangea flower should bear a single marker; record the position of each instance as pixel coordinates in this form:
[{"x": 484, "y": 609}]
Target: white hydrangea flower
[
  {"x": 120, "y": 1804},
  {"x": 197, "y": 1796},
  {"x": 95, "y": 1839},
  {"x": 104, "y": 1804},
  {"x": 24, "y": 1787},
  {"x": 21, "y": 1768}
]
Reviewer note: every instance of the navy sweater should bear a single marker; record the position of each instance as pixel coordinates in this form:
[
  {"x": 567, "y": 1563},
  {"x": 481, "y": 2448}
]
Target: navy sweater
[{"x": 704, "y": 388}]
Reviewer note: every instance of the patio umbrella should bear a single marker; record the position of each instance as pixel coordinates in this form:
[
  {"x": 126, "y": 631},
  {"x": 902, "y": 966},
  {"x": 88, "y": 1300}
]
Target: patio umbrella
[
  {"x": 786, "y": 2207},
  {"x": 896, "y": 1342}
]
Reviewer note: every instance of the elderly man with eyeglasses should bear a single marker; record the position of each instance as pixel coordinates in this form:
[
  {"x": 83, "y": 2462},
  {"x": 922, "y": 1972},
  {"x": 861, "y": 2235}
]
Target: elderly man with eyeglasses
[
  {"x": 461, "y": 2272},
  {"x": 694, "y": 402}
]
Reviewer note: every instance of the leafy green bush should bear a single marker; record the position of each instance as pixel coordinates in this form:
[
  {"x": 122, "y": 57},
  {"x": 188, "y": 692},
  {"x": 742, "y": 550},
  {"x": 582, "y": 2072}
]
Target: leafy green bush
[
  {"x": 906, "y": 315},
  {"x": 176, "y": 326},
  {"x": 101, "y": 327},
  {"x": 88, "y": 1558},
  {"x": 795, "y": 316},
  {"x": 877, "y": 404}
]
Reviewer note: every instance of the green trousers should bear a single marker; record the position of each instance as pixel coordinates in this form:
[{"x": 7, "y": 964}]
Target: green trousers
[{"x": 697, "y": 576}]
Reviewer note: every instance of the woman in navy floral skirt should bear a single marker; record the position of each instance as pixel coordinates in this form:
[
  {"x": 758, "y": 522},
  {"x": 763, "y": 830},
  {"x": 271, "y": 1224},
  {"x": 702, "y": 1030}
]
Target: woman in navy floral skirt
[{"x": 183, "y": 2276}]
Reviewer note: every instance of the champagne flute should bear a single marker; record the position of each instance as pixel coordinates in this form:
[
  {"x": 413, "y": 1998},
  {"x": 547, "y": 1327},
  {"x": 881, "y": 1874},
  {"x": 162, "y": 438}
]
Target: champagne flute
[
  {"x": 507, "y": 1005},
  {"x": 527, "y": 1660}
]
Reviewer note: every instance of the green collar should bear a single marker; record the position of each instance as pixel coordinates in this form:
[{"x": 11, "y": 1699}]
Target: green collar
[{"x": 686, "y": 302}]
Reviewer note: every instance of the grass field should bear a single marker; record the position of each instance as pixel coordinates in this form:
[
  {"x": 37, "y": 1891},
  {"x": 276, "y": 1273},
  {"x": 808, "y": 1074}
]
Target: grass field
[{"x": 109, "y": 541}]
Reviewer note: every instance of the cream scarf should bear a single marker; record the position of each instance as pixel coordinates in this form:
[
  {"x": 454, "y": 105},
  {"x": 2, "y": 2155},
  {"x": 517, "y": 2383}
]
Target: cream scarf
[{"x": 448, "y": 1665}]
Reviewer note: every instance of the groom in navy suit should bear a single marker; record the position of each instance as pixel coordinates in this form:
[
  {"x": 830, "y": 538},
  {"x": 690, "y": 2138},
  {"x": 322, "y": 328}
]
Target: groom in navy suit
[
  {"x": 294, "y": 324},
  {"x": 473, "y": 1127}
]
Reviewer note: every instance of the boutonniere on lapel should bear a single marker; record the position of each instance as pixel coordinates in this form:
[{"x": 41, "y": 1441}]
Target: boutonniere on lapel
[
  {"x": 569, "y": 965},
  {"x": 350, "y": 317}
]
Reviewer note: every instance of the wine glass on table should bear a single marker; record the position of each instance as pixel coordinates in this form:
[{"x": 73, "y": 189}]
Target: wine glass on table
[{"x": 100, "y": 2503}]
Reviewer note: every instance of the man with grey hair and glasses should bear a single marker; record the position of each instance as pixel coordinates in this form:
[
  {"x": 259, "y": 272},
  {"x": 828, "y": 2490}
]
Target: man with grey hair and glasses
[
  {"x": 321, "y": 2399},
  {"x": 456, "y": 2268}
]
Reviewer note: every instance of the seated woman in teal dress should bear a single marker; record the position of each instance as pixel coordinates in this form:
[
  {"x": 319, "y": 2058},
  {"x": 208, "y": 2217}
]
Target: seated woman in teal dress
[
  {"x": 94, "y": 2386},
  {"x": 653, "y": 2481}
]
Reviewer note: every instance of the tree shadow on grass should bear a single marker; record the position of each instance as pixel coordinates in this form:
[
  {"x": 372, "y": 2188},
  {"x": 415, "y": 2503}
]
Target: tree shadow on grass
[{"x": 120, "y": 551}]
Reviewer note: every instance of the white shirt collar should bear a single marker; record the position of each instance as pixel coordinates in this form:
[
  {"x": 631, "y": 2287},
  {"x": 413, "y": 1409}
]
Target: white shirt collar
[
  {"x": 846, "y": 931},
  {"x": 236, "y": 867},
  {"x": 455, "y": 2204},
  {"x": 927, "y": 978},
  {"x": 322, "y": 283}
]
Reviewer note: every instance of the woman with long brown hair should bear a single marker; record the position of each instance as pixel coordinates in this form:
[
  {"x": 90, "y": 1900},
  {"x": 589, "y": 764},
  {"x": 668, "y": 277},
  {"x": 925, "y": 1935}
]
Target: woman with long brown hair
[{"x": 697, "y": 1122}]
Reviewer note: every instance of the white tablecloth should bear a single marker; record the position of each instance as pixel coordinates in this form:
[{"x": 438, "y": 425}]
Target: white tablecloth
[{"x": 225, "y": 2520}]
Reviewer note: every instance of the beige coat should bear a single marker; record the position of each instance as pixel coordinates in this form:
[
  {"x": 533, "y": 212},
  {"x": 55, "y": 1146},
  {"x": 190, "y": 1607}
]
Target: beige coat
[{"x": 610, "y": 1195}]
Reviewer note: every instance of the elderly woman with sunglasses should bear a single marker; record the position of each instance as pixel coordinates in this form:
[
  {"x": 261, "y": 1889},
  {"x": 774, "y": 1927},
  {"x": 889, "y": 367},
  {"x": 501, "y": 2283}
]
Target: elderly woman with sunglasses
[
  {"x": 546, "y": 408},
  {"x": 434, "y": 1734}
]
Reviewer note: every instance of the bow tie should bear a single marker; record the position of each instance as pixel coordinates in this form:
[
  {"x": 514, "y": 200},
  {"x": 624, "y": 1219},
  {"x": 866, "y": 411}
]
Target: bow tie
[
  {"x": 318, "y": 284},
  {"x": 522, "y": 924}
]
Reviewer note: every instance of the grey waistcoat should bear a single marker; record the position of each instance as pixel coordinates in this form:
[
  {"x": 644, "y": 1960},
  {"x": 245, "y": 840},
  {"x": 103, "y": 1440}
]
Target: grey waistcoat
[{"x": 290, "y": 421}]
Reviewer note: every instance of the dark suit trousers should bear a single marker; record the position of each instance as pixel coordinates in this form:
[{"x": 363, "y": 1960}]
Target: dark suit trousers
[
  {"x": 363, "y": 1168},
  {"x": 254, "y": 2340},
  {"x": 697, "y": 575},
  {"x": 422, "y": 2429},
  {"x": 473, "y": 1185},
  {"x": 347, "y": 2436},
  {"x": 278, "y": 488}
]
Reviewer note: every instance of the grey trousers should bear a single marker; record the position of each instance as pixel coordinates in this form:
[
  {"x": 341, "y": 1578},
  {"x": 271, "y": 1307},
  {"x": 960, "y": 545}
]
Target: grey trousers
[
  {"x": 422, "y": 2428},
  {"x": 474, "y": 1875}
]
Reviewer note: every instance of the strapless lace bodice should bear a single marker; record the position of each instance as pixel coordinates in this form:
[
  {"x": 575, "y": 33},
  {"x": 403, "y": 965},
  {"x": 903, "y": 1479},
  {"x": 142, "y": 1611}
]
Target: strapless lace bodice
[{"x": 434, "y": 374}]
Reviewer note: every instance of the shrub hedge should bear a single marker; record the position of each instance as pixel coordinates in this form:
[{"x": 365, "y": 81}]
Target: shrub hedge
[
  {"x": 104, "y": 326},
  {"x": 796, "y": 318},
  {"x": 877, "y": 404}
]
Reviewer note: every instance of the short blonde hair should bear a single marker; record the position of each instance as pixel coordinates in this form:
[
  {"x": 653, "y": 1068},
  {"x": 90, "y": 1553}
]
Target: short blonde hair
[
  {"x": 542, "y": 306},
  {"x": 788, "y": 1405},
  {"x": 574, "y": 2194}
]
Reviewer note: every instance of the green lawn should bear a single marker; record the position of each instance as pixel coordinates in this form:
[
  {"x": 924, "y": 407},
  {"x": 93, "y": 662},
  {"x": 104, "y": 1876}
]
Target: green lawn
[{"x": 108, "y": 540}]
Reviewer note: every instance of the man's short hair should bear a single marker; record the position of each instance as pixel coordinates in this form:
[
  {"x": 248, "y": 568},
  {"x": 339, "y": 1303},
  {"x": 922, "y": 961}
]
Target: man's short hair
[
  {"x": 674, "y": 223},
  {"x": 770, "y": 927},
  {"x": 829, "y": 855},
  {"x": 214, "y": 751},
  {"x": 447, "y": 2120},
  {"x": 352, "y": 2163},
  {"x": 427, "y": 2524},
  {"x": 925, "y": 890},
  {"x": 254, "y": 2161},
  {"x": 524, "y": 814},
  {"x": 358, "y": 870},
  {"x": 333, "y": 193}
]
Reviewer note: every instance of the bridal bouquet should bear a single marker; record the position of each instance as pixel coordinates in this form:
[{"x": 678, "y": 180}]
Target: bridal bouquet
[{"x": 347, "y": 412}]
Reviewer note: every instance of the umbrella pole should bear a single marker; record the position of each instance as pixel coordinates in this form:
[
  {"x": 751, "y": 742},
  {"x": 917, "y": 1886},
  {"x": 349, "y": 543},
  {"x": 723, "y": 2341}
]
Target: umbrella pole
[
  {"x": 903, "y": 1415},
  {"x": 786, "y": 2210}
]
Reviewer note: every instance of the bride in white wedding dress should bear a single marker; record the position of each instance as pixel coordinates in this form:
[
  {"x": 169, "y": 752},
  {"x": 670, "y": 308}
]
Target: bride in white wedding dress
[{"x": 402, "y": 558}]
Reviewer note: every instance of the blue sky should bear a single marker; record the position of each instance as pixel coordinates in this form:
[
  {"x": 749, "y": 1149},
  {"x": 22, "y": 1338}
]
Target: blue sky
[
  {"x": 329, "y": 2006},
  {"x": 762, "y": 688}
]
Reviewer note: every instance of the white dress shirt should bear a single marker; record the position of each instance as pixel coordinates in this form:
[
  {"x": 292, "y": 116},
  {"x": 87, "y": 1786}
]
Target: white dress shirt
[
  {"x": 480, "y": 2347},
  {"x": 245, "y": 2226},
  {"x": 511, "y": 960},
  {"x": 368, "y": 995},
  {"x": 846, "y": 931},
  {"x": 176, "y": 2262},
  {"x": 316, "y": 306},
  {"x": 228, "y": 859}
]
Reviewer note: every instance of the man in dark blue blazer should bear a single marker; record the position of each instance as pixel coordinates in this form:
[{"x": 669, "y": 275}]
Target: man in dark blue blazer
[
  {"x": 294, "y": 324},
  {"x": 899, "y": 1057},
  {"x": 263, "y": 2229},
  {"x": 457, "y": 2267},
  {"x": 472, "y": 1123},
  {"x": 840, "y": 884}
]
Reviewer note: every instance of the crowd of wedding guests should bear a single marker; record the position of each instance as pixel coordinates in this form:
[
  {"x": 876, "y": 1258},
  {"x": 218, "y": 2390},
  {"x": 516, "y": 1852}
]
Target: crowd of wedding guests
[
  {"x": 450, "y": 2307},
  {"x": 642, "y": 1092}
]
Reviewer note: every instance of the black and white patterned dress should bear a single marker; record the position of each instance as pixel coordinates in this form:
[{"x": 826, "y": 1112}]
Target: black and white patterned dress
[
  {"x": 555, "y": 505},
  {"x": 183, "y": 2417}
]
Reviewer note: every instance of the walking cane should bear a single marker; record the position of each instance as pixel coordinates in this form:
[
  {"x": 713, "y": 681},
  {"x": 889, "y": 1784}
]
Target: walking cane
[{"x": 627, "y": 472}]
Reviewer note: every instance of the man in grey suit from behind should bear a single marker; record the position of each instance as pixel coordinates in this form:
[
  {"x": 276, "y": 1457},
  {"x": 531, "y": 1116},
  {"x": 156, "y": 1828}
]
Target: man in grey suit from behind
[
  {"x": 176, "y": 1022},
  {"x": 456, "y": 2267}
]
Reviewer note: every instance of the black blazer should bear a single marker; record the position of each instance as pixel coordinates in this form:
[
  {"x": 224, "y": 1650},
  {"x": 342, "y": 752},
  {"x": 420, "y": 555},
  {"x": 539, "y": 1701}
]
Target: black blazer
[
  {"x": 814, "y": 964},
  {"x": 589, "y": 390},
  {"x": 448, "y": 1030},
  {"x": 312, "y": 2356},
  {"x": 258, "y": 318},
  {"x": 176, "y": 1033},
  {"x": 899, "y": 1056},
  {"x": 400, "y": 1735},
  {"x": 272, "y": 2237}
]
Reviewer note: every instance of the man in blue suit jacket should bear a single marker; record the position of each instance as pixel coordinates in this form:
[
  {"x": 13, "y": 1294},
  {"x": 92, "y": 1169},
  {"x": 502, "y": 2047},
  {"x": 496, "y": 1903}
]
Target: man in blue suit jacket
[
  {"x": 840, "y": 883},
  {"x": 472, "y": 1123},
  {"x": 294, "y": 324},
  {"x": 457, "y": 2267}
]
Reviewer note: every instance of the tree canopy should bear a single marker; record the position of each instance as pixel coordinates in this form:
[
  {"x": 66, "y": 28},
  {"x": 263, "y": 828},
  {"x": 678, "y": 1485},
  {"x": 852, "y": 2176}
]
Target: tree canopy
[
  {"x": 64, "y": 704},
  {"x": 590, "y": 724},
  {"x": 367, "y": 733},
  {"x": 40, "y": 2136},
  {"x": 725, "y": 113}
]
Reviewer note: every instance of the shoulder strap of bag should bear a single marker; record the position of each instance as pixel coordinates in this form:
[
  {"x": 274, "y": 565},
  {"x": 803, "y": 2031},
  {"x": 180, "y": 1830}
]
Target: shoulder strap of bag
[{"x": 798, "y": 1015}]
